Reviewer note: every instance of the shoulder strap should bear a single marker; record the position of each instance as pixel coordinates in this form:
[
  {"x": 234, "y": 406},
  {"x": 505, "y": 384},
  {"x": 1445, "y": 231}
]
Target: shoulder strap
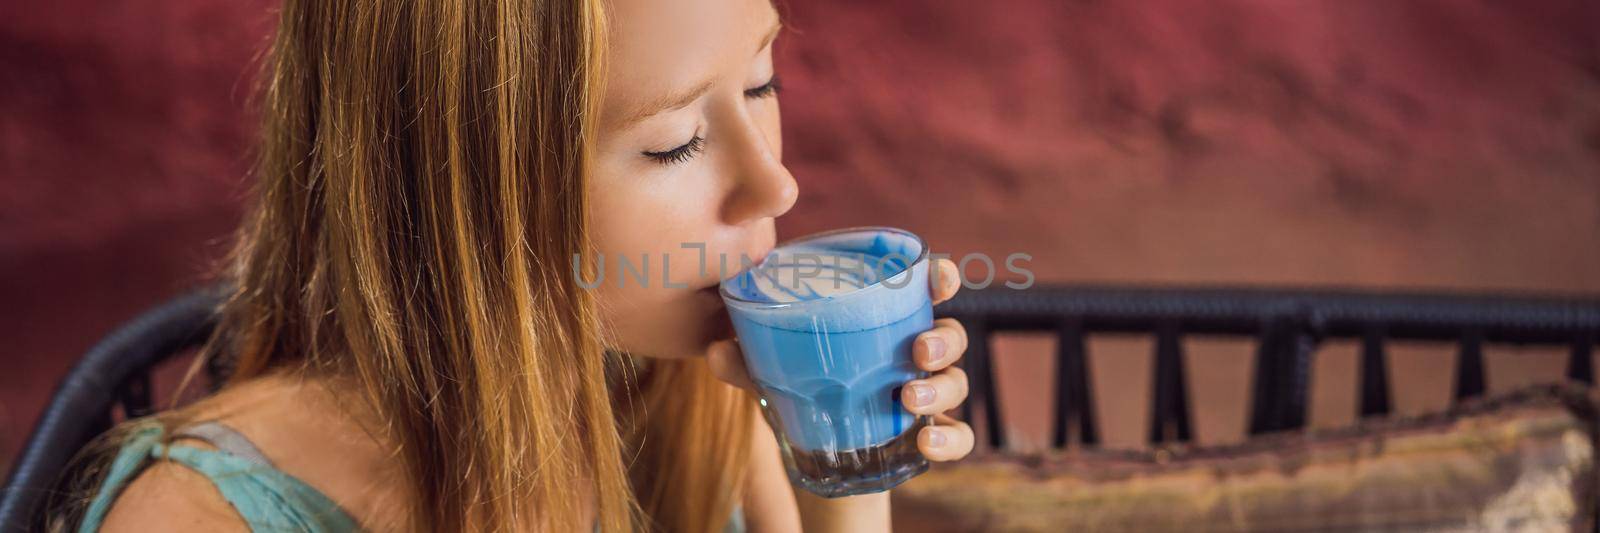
[
  {"x": 266, "y": 498},
  {"x": 129, "y": 461},
  {"x": 224, "y": 438}
]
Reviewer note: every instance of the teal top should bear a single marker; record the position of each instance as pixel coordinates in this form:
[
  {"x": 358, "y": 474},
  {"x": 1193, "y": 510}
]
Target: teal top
[{"x": 265, "y": 497}]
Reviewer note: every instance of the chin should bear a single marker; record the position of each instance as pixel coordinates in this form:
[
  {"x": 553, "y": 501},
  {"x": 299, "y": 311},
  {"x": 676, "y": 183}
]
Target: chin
[
  {"x": 672, "y": 352},
  {"x": 679, "y": 328},
  {"x": 685, "y": 341},
  {"x": 681, "y": 342}
]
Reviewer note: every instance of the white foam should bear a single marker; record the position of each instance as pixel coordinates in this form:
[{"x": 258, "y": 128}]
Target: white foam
[
  {"x": 806, "y": 273},
  {"x": 863, "y": 273}
]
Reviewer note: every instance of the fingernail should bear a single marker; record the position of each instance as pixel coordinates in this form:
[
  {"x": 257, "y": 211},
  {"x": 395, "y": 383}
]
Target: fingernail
[
  {"x": 935, "y": 348},
  {"x": 936, "y": 439},
  {"x": 921, "y": 395}
]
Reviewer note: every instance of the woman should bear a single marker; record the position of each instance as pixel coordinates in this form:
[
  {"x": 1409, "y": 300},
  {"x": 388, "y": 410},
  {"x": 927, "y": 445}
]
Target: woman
[{"x": 412, "y": 348}]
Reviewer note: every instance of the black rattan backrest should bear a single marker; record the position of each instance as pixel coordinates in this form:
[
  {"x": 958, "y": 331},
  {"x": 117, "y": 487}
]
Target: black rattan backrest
[
  {"x": 116, "y": 371},
  {"x": 1288, "y": 325}
]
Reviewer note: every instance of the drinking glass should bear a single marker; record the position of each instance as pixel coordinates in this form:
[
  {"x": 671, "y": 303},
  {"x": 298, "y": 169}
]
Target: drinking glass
[{"x": 826, "y": 323}]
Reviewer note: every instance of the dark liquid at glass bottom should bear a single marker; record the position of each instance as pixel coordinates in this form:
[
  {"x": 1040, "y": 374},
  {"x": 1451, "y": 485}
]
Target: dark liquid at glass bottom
[{"x": 859, "y": 471}]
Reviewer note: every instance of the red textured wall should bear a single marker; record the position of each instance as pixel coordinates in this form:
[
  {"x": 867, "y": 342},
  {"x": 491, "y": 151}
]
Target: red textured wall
[
  {"x": 1440, "y": 143},
  {"x": 123, "y": 146},
  {"x": 1437, "y": 142}
]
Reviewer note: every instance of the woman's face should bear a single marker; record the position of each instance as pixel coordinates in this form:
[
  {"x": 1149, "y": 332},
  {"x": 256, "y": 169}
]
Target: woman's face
[{"x": 688, "y": 174}]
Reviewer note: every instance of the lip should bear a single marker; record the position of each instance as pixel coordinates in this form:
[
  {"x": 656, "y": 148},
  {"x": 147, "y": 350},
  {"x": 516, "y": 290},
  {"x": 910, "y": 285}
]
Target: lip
[
  {"x": 762, "y": 258},
  {"x": 714, "y": 286},
  {"x": 712, "y": 294}
]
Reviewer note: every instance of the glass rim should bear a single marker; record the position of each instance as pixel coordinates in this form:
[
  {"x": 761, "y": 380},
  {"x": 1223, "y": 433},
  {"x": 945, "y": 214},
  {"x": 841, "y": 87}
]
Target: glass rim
[{"x": 922, "y": 257}]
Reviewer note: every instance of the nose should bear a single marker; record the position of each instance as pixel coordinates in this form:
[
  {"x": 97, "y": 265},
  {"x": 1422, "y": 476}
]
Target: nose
[{"x": 762, "y": 186}]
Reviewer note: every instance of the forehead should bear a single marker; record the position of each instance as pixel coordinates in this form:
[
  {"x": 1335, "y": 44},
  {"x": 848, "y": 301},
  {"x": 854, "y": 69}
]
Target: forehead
[{"x": 657, "y": 46}]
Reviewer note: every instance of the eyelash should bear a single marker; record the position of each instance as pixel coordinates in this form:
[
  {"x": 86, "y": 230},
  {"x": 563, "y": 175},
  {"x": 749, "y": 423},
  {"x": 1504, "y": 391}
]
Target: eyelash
[
  {"x": 697, "y": 143},
  {"x": 770, "y": 88},
  {"x": 679, "y": 154}
]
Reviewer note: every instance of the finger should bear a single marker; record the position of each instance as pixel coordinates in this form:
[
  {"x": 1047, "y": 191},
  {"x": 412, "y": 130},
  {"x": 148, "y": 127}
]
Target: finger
[
  {"x": 727, "y": 364},
  {"x": 941, "y": 346},
  {"x": 944, "y": 279},
  {"x": 947, "y": 440},
  {"x": 941, "y": 392}
]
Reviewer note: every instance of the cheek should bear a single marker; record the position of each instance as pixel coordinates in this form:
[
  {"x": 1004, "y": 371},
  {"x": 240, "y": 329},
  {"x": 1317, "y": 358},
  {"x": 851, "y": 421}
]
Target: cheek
[
  {"x": 633, "y": 205},
  {"x": 771, "y": 123},
  {"x": 653, "y": 216},
  {"x": 645, "y": 217}
]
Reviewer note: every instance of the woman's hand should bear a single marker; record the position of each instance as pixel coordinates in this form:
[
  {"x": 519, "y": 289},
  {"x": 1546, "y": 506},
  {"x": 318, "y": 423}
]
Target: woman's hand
[
  {"x": 936, "y": 351},
  {"x": 948, "y": 439}
]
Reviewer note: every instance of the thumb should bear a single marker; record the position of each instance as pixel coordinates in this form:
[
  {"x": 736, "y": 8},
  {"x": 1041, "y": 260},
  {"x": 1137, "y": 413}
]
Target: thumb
[{"x": 727, "y": 364}]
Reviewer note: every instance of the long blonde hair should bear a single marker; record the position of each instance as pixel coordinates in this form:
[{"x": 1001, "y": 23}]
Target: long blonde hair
[{"x": 420, "y": 188}]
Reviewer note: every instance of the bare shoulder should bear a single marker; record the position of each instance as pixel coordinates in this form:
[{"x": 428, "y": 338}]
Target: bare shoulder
[
  {"x": 317, "y": 431},
  {"x": 303, "y": 430},
  {"x": 170, "y": 497}
]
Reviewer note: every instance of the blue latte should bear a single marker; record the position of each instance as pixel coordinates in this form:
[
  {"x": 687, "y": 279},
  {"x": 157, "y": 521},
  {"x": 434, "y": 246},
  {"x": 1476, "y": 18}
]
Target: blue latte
[{"x": 826, "y": 324}]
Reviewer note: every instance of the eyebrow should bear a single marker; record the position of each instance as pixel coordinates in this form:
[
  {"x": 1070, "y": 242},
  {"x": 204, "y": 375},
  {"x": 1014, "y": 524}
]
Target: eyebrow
[{"x": 682, "y": 99}]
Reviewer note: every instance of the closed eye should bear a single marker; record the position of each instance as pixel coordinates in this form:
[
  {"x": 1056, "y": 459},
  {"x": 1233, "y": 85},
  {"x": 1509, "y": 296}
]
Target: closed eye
[
  {"x": 679, "y": 154},
  {"x": 696, "y": 144},
  {"x": 770, "y": 88}
]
